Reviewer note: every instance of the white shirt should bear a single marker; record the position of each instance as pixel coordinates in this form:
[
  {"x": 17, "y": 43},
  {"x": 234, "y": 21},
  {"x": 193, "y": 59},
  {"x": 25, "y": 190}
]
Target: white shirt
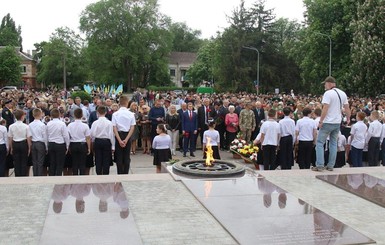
[
  {"x": 375, "y": 129},
  {"x": 38, "y": 132},
  {"x": 3, "y": 136},
  {"x": 331, "y": 98},
  {"x": 341, "y": 142},
  {"x": 271, "y": 131},
  {"x": 57, "y": 132},
  {"x": 359, "y": 133},
  {"x": 102, "y": 129},
  {"x": 287, "y": 126},
  {"x": 19, "y": 131},
  {"x": 305, "y": 128},
  {"x": 123, "y": 119},
  {"x": 382, "y": 133},
  {"x": 78, "y": 131},
  {"x": 213, "y": 135},
  {"x": 161, "y": 142}
]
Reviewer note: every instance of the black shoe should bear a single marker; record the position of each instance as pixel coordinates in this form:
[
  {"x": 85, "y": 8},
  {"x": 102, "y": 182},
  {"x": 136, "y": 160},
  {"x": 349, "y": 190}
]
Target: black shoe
[
  {"x": 192, "y": 154},
  {"x": 184, "y": 155}
]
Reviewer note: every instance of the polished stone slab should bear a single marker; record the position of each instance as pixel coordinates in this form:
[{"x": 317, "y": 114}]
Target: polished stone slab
[
  {"x": 89, "y": 214},
  {"x": 259, "y": 212},
  {"x": 366, "y": 186}
]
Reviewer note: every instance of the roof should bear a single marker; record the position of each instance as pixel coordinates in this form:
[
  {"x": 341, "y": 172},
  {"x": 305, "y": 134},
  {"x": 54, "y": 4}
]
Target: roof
[
  {"x": 182, "y": 57},
  {"x": 23, "y": 55}
]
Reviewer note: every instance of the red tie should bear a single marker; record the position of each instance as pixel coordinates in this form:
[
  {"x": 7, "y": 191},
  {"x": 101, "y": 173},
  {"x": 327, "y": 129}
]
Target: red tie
[{"x": 190, "y": 115}]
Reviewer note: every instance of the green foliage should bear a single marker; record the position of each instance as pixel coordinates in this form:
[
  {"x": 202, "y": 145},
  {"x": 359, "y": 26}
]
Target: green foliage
[
  {"x": 170, "y": 88},
  {"x": 127, "y": 40},
  {"x": 9, "y": 66},
  {"x": 62, "y": 54},
  {"x": 368, "y": 48},
  {"x": 82, "y": 94},
  {"x": 184, "y": 38},
  {"x": 10, "y": 35},
  {"x": 326, "y": 19}
]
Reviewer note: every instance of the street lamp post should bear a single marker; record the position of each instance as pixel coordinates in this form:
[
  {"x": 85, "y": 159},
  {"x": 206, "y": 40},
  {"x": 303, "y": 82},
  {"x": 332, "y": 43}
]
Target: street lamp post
[
  {"x": 330, "y": 50},
  {"x": 255, "y": 49}
]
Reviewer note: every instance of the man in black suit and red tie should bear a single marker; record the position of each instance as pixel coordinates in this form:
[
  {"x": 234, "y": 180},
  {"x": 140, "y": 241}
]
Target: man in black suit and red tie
[
  {"x": 205, "y": 112},
  {"x": 189, "y": 130}
]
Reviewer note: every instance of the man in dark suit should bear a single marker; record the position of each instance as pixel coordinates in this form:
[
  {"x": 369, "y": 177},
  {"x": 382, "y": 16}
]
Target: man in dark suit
[
  {"x": 189, "y": 130},
  {"x": 205, "y": 112},
  {"x": 220, "y": 123},
  {"x": 259, "y": 116},
  {"x": 183, "y": 108},
  {"x": 7, "y": 114}
]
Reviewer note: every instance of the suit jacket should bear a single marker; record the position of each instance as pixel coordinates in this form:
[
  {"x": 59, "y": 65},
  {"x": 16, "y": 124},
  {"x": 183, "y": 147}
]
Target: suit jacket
[
  {"x": 259, "y": 116},
  {"x": 202, "y": 113},
  {"x": 189, "y": 125},
  {"x": 7, "y": 115},
  {"x": 180, "y": 112}
]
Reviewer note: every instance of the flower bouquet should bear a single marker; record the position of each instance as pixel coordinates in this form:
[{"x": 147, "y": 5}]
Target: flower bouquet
[
  {"x": 249, "y": 153},
  {"x": 237, "y": 145}
]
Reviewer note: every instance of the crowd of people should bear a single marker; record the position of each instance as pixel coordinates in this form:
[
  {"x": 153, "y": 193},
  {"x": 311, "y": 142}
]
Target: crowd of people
[{"x": 57, "y": 134}]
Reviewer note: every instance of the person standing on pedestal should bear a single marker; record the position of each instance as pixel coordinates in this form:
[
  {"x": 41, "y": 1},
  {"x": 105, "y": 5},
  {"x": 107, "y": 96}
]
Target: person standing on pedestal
[{"x": 333, "y": 101}]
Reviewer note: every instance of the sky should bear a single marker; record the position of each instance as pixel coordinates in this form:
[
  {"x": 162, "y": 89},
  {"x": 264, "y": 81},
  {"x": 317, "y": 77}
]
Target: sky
[{"x": 39, "y": 18}]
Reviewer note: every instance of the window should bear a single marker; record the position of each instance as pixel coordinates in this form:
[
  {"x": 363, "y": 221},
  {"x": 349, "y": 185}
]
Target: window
[
  {"x": 172, "y": 72},
  {"x": 23, "y": 69}
]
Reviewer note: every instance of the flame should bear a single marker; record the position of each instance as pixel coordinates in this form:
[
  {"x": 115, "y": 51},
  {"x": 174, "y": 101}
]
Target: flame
[{"x": 209, "y": 153}]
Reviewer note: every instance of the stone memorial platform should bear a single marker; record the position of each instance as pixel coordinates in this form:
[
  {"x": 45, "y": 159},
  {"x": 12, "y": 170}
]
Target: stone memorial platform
[{"x": 266, "y": 207}]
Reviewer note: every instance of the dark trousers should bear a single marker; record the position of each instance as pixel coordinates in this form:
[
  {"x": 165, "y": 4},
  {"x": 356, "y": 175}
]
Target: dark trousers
[
  {"x": 230, "y": 137},
  {"x": 222, "y": 134},
  {"x": 38, "y": 157},
  {"x": 201, "y": 132},
  {"x": 340, "y": 160},
  {"x": 269, "y": 156},
  {"x": 3, "y": 161},
  {"x": 305, "y": 150},
  {"x": 373, "y": 151},
  {"x": 356, "y": 156},
  {"x": 57, "y": 156},
  {"x": 102, "y": 149},
  {"x": 189, "y": 142},
  {"x": 20, "y": 157},
  {"x": 286, "y": 158},
  {"x": 79, "y": 157},
  {"x": 383, "y": 153},
  {"x": 180, "y": 140},
  {"x": 122, "y": 155}
]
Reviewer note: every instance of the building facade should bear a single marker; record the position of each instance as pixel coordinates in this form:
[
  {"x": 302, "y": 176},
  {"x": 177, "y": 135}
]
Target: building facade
[{"x": 179, "y": 63}]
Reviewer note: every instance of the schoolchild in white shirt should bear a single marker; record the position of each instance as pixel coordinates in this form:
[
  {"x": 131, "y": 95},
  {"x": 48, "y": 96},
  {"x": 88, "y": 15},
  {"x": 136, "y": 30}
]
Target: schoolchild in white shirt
[
  {"x": 39, "y": 143},
  {"x": 358, "y": 134},
  {"x": 270, "y": 134}
]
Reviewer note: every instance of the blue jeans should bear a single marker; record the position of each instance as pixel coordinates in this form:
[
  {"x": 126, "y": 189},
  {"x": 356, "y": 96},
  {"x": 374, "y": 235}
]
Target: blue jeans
[{"x": 331, "y": 130}]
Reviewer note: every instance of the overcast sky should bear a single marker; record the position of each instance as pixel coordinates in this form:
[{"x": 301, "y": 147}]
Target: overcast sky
[{"x": 39, "y": 18}]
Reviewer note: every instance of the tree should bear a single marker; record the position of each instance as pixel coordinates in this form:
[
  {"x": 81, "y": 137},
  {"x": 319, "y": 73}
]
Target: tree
[
  {"x": 327, "y": 18},
  {"x": 368, "y": 48},
  {"x": 184, "y": 38},
  {"x": 61, "y": 59},
  {"x": 203, "y": 68},
  {"x": 9, "y": 34},
  {"x": 127, "y": 41},
  {"x": 9, "y": 66}
]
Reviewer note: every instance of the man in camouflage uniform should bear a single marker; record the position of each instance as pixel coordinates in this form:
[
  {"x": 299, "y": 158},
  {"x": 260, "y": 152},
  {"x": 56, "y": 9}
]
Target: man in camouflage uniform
[{"x": 247, "y": 121}]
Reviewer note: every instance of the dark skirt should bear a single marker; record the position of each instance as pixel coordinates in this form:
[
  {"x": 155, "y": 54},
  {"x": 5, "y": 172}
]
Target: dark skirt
[
  {"x": 161, "y": 155},
  {"x": 90, "y": 160},
  {"x": 215, "y": 152}
]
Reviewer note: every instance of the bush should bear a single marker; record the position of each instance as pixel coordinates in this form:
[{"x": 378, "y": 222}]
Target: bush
[{"x": 82, "y": 94}]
